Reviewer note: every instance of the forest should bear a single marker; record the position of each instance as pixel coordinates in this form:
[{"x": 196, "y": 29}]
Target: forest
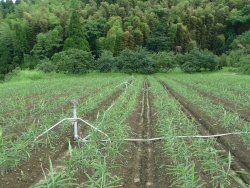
[{"x": 131, "y": 36}]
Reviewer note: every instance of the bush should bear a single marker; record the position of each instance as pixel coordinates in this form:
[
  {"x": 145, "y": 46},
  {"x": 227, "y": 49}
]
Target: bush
[
  {"x": 223, "y": 61},
  {"x": 165, "y": 60},
  {"x": 198, "y": 60},
  {"x": 73, "y": 61},
  {"x": 233, "y": 58},
  {"x": 9, "y": 76},
  {"x": 138, "y": 61},
  {"x": 46, "y": 65},
  {"x": 106, "y": 62},
  {"x": 245, "y": 65}
]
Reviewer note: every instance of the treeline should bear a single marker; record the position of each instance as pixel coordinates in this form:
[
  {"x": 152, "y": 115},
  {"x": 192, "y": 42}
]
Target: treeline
[{"x": 77, "y": 36}]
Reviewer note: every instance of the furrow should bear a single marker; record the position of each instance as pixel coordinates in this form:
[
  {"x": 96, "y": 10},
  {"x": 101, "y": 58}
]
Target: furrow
[{"x": 189, "y": 108}]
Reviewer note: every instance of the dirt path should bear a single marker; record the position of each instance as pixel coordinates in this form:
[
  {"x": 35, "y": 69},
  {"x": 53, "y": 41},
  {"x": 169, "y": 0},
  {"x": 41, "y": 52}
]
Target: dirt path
[
  {"x": 141, "y": 160},
  {"x": 234, "y": 144}
]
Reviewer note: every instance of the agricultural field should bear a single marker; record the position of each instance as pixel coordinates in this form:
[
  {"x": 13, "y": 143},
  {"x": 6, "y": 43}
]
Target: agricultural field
[{"x": 141, "y": 131}]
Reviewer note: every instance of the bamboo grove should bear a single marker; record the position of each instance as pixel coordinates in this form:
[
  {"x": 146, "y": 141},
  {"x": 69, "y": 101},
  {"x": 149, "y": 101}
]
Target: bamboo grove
[{"x": 34, "y": 32}]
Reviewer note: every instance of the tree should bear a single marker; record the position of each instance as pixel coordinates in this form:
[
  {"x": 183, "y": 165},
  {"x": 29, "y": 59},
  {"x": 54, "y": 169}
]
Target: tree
[
  {"x": 94, "y": 29},
  {"x": 106, "y": 62},
  {"x": 197, "y": 60},
  {"x": 6, "y": 48},
  {"x": 114, "y": 40},
  {"x": 73, "y": 61},
  {"x": 242, "y": 42},
  {"x": 138, "y": 61},
  {"x": 239, "y": 21},
  {"x": 75, "y": 36},
  {"x": 245, "y": 64},
  {"x": 47, "y": 44},
  {"x": 165, "y": 60}
]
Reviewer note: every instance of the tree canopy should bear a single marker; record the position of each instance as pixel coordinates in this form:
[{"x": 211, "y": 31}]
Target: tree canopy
[{"x": 33, "y": 31}]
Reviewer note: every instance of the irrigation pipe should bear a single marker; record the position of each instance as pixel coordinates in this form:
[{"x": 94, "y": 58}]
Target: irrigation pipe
[{"x": 162, "y": 138}]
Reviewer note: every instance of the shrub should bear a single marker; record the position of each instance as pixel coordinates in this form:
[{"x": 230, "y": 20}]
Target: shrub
[
  {"x": 233, "y": 58},
  {"x": 165, "y": 60},
  {"x": 245, "y": 64},
  {"x": 198, "y": 60},
  {"x": 106, "y": 61},
  {"x": 73, "y": 61},
  {"x": 138, "y": 61},
  {"x": 46, "y": 65}
]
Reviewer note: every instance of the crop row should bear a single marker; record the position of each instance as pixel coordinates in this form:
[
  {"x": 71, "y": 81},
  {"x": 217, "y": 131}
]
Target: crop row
[
  {"x": 195, "y": 161},
  {"x": 95, "y": 159},
  {"x": 231, "y": 121},
  {"x": 234, "y": 88},
  {"x": 22, "y": 129}
]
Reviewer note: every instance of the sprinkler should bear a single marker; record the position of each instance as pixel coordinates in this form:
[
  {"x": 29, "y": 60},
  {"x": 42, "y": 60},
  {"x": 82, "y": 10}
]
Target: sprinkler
[
  {"x": 126, "y": 83},
  {"x": 74, "y": 122}
]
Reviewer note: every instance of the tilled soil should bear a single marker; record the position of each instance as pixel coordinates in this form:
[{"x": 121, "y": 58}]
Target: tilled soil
[
  {"x": 32, "y": 169},
  {"x": 142, "y": 161},
  {"x": 243, "y": 112},
  {"x": 234, "y": 143}
]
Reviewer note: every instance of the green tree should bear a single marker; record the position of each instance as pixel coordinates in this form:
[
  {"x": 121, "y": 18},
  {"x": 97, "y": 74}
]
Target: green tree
[
  {"x": 242, "y": 42},
  {"x": 114, "y": 40},
  {"x": 165, "y": 60},
  {"x": 239, "y": 20},
  {"x": 106, "y": 62},
  {"x": 47, "y": 44},
  {"x": 158, "y": 41},
  {"x": 129, "y": 41},
  {"x": 94, "y": 29},
  {"x": 197, "y": 60},
  {"x": 138, "y": 61},
  {"x": 73, "y": 61},
  {"x": 245, "y": 64},
  {"x": 75, "y": 36}
]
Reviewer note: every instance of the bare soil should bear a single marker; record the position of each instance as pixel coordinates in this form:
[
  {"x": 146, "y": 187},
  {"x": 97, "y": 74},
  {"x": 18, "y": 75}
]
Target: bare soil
[
  {"x": 243, "y": 112},
  {"x": 140, "y": 162},
  {"x": 234, "y": 143},
  {"x": 31, "y": 168}
]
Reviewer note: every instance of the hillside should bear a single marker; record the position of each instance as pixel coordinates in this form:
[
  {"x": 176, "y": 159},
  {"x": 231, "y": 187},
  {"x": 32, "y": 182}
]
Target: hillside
[{"x": 57, "y": 34}]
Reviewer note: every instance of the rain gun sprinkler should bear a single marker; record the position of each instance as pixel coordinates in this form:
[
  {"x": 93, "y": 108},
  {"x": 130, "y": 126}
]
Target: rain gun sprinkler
[
  {"x": 74, "y": 121},
  {"x": 127, "y": 84}
]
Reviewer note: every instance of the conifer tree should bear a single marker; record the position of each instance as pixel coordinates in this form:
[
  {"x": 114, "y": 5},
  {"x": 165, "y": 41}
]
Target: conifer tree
[{"x": 75, "y": 36}]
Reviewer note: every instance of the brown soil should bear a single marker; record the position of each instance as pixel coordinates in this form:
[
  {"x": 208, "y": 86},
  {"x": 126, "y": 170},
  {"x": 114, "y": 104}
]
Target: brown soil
[
  {"x": 234, "y": 144},
  {"x": 243, "y": 112},
  {"x": 141, "y": 161},
  {"x": 32, "y": 168}
]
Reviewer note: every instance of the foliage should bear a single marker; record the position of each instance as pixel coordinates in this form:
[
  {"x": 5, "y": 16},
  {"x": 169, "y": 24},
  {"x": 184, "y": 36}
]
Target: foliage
[
  {"x": 245, "y": 64},
  {"x": 73, "y": 61},
  {"x": 138, "y": 61},
  {"x": 198, "y": 60},
  {"x": 158, "y": 41},
  {"x": 242, "y": 42},
  {"x": 46, "y": 66},
  {"x": 239, "y": 20},
  {"x": 233, "y": 58},
  {"x": 94, "y": 29},
  {"x": 47, "y": 44},
  {"x": 106, "y": 62},
  {"x": 165, "y": 60},
  {"x": 34, "y": 30},
  {"x": 75, "y": 36}
]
